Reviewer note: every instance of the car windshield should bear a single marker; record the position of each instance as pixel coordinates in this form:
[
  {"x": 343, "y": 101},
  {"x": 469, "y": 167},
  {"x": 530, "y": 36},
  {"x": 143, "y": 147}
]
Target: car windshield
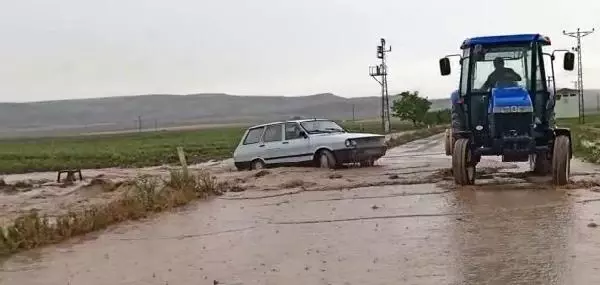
[
  {"x": 321, "y": 126},
  {"x": 506, "y": 65}
]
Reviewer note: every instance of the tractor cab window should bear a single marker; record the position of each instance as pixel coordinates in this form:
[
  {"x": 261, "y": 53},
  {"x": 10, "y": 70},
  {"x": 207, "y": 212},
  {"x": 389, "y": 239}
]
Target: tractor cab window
[
  {"x": 500, "y": 66},
  {"x": 464, "y": 72}
]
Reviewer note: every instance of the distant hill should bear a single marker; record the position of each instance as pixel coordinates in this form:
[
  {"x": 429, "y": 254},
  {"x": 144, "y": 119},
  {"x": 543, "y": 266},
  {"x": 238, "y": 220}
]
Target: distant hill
[{"x": 121, "y": 113}]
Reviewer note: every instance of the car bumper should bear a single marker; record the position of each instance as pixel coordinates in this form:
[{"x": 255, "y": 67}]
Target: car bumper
[
  {"x": 359, "y": 154},
  {"x": 242, "y": 165}
]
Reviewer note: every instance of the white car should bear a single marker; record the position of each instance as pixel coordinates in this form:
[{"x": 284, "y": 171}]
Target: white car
[{"x": 310, "y": 141}]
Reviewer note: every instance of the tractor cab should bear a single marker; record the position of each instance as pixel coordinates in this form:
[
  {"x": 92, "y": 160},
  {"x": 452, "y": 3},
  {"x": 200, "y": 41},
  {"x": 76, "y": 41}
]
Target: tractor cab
[{"x": 506, "y": 107}]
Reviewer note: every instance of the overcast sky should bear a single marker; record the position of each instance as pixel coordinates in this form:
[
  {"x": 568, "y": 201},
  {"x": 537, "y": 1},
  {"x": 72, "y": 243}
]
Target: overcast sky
[{"x": 81, "y": 49}]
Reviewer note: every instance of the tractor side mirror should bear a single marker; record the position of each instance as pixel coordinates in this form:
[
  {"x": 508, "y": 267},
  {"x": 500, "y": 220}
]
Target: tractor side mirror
[
  {"x": 445, "y": 66},
  {"x": 569, "y": 61}
]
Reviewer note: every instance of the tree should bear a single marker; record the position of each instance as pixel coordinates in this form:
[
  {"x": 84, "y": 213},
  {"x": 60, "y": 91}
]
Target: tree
[
  {"x": 411, "y": 107},
  {"x": 438, "y": 117}
]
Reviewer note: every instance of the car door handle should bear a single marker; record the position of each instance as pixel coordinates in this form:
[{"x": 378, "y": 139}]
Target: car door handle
[
  {"x": 262, "y": 145},
  {"x": 285, "y": 142}
]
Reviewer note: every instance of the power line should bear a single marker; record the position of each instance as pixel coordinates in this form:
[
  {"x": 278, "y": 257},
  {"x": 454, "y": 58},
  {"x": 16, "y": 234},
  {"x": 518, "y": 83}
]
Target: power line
[
  {"x": 381, "y": 71},
  {"x": 578, "y": 35}
]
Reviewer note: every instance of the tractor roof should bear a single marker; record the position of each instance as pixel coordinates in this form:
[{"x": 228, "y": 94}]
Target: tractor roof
[{"x": 506, "y": 39}]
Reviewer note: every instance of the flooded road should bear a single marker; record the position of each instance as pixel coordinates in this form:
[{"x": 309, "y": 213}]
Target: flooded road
[{"x": 508, "y": 229}]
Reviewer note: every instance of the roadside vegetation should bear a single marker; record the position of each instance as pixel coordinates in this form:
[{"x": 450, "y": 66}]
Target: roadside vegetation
[
  {"x": 139, "y": 199},
  {"x": 585, "y": 137}
]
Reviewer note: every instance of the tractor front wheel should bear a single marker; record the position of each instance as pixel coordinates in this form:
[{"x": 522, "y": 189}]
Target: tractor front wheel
[
  {"x": 540, "y": 164},
  {"x": 561, "y": 160},
  {"x": 448, "y": 142},
  {"x": 463, "y": 166}
]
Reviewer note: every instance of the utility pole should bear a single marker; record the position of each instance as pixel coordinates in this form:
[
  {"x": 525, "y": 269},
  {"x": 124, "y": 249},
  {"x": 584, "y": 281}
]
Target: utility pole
[
  {"x": 381, "y": 71},
  {"x": 353, "y": 112},
  {"x": 578, "y": 35},
  {"x": 139, "y": 123},
  {"x": 597, "y": 103}
]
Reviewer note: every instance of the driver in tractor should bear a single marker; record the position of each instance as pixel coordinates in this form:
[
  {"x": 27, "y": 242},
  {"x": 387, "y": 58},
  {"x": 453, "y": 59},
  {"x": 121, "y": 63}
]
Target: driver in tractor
[{"x": 500, "y": 74}]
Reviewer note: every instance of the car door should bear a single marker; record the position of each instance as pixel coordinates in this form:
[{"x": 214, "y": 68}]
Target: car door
[
  {"x": 272, "y": 144},
  {"x": 250, "y": 147},
  {"x": 296, "y": 145}
]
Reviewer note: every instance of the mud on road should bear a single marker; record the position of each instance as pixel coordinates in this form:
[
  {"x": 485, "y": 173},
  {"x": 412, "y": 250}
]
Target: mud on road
[{"x": 401, "y": 222}]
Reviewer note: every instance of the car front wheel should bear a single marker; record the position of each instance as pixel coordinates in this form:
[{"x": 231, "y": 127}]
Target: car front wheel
[{"x": 327, "y": 159}]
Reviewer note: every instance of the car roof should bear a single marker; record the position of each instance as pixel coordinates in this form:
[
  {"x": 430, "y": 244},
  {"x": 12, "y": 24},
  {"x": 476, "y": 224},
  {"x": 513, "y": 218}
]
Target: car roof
[{"x": 288, "y": 121}]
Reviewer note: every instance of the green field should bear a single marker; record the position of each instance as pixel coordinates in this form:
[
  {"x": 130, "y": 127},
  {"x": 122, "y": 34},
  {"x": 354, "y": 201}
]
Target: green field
[
  {"x": 157, "y": 148},
  {"x": 132, "y": 149},
  {"x": 590, "y": 131}
]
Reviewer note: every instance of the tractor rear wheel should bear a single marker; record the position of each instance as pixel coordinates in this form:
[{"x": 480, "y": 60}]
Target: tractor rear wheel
[
  {"x": 463, "y": 166},
  {"x": 561, "y": 160}
]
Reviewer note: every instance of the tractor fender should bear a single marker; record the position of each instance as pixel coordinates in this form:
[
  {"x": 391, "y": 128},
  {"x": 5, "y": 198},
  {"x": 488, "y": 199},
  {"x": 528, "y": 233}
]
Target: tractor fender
[
  {"x": 565, "y": 132},
  {"x": 461, "y": 134}
]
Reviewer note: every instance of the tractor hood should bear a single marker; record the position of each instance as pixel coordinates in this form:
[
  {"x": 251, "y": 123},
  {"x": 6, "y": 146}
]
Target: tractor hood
[{"x": 510, "y": 100}]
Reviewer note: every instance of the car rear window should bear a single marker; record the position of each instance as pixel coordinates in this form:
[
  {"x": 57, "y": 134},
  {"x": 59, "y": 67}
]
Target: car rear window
[{"x": 254, "y": 135}]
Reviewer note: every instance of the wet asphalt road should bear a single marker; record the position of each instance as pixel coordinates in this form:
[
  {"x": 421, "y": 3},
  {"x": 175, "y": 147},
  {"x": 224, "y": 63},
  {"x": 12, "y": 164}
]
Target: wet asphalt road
[{"x": 402, "y": 234}]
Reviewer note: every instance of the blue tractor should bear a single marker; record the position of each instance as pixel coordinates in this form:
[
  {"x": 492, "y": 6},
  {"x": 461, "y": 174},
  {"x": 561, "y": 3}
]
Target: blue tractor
[{"x": 506, "y": 108}]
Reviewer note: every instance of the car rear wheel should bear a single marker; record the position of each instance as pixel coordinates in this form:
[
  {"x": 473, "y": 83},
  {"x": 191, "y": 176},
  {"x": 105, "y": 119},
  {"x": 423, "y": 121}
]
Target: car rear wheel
[
  {"x": 327, "y": 159},
  {"x": 257, "y": 164}
]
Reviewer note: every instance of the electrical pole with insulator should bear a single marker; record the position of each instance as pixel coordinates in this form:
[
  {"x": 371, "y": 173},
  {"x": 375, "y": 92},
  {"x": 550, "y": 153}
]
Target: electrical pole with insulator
[
  {"x": 578, "y": 35},
  {"x": 380, "y": 71}
]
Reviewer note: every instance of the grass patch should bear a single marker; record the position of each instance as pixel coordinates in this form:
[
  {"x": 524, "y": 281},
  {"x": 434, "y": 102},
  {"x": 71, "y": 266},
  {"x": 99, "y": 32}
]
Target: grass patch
[
  {"x": 584, "y": 142},
  {"x": 584, "y": 137},
  {"x": 122, "y": 150},
  {"x": 141, "y": 197},
  {"x": 133, "y": 149}
]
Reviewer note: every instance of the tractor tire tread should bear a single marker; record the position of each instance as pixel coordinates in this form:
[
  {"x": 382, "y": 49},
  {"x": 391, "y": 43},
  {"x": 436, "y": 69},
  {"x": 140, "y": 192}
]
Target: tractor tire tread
[{"x": 561, "y": 160}]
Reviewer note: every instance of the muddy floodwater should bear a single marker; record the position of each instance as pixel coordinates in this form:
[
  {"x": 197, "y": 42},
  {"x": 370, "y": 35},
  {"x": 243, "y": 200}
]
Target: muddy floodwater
[{"x": 401, "y": 222}]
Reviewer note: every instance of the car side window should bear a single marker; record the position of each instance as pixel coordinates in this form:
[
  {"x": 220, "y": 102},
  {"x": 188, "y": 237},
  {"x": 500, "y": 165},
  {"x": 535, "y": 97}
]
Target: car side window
[
  {"x": 292, "y": 131},
  {"x": 273, "y": 133},
  {"x": 254, "y": 135}
]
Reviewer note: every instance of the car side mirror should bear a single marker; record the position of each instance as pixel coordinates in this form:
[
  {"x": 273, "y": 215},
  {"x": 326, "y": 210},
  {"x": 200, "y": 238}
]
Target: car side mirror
[
  {"x": 569, "y": 61},
  {"x": 445, "y": 66},
  {"x": 303, "y": 134}
]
